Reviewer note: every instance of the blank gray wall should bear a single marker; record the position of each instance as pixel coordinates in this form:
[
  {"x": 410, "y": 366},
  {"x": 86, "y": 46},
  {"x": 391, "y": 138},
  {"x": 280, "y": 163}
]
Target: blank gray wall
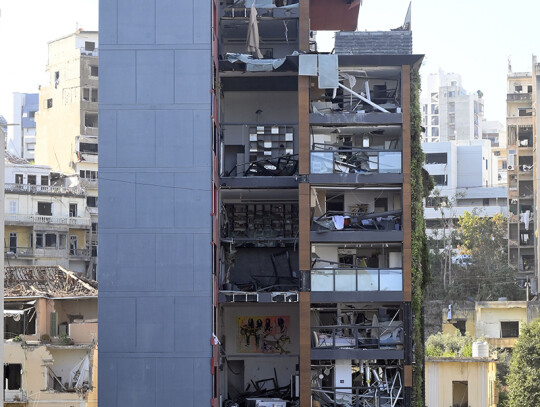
[{"x": 155, "y": 266}]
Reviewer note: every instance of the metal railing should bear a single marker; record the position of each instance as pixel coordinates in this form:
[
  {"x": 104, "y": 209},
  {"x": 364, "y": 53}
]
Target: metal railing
[
  {"x": 44, "y": 189},
  {"x": 356, "y": 279},
  {"x": 55, "y": 220},
  {"x": 389, "y": 393},
  {"x": 357, "y": 336},
  {"x": 356, "y": 160}
]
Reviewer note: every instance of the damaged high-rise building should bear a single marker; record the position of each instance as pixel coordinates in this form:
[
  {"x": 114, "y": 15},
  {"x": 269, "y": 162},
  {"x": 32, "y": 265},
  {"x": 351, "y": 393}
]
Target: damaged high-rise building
[
  {"x": 256, "y": 220},
  {"x": 523, "y": 174}
]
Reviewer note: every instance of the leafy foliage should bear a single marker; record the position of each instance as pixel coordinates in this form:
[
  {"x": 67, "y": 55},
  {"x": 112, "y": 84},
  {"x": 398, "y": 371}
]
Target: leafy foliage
[
  {"x": 421, "y": 186},
  {"x": 524, "y": 377},
  {"x": 486, "y": 275},
  {"x": 449, "y": 345}
]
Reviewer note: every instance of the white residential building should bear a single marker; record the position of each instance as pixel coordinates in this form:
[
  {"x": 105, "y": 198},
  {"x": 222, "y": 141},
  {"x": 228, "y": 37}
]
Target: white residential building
[
  {"x": 449, "y": 112},
  {"x": 46, "y": 220},
  {"x": 465, "y": 181},
  {"x": 22, "y": 132}
]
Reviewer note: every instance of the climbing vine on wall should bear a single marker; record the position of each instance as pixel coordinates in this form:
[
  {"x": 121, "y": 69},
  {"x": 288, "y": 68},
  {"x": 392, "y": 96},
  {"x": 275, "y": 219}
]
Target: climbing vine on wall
[{"x": 421, "y": 186}]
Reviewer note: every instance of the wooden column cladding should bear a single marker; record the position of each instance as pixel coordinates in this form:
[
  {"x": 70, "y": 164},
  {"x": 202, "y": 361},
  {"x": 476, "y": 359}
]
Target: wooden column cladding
[
  {"x": 406, "y": 132},
  {"x": 407, "y": 223},
  {"x": 304, "y": 245}
]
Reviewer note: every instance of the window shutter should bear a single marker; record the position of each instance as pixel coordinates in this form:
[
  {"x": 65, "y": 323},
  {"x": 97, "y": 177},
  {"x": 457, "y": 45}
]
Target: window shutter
[{"x": 54, "y": 324}]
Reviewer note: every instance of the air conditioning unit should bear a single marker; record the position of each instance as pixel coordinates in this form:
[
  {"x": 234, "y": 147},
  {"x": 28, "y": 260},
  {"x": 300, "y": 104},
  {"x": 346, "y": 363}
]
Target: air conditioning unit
[{"x": 510, "y": 167}]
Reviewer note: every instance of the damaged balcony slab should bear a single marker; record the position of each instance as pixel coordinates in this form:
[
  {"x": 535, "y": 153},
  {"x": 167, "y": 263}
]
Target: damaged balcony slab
[
  {"x": 259, "y": 182},
  {"x": 289, "y": 64},
  {"x": 364, "y": 354},
  {"x": 339, "y": 236},
  {"x": 372, "y": 118}
]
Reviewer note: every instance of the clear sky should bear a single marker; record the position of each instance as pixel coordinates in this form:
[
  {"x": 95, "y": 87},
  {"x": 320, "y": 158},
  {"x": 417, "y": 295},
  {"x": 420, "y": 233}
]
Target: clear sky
[{"x": 470, "y": 37}]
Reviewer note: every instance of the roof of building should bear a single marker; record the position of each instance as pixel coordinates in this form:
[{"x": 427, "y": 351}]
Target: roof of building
[
  {"x": 374, "y": 42},
  {"x": 13, "y": 159},
  {"x": 46, "y": 281}
]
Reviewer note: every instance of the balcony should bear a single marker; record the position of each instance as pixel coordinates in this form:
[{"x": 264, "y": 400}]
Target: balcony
[
  {"x": 43, "y": 189},
  {"x": 42, "y": 219},
  {"x": 378, "y": 231},
  {"x": 30, "y": 252},
  {"x": 334, "y": 279},
  {"x": 518, "y": 97},
  {"x": 89, "y": 183},
  {"x": 365, "y": 337},
  {"x": 356, "y": 160},
  {"x": 15, "y": 396},
  {"x": 93, "y": 53},
  {"x": 385, "y": 392},
  {"x": 91, "y": 158}
]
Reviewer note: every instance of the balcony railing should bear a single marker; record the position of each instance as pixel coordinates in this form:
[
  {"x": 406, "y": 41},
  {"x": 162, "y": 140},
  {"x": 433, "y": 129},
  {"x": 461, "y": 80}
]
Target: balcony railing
[
  {"x": 388, "y": 393},
  {"x": 356, "y": 279},
  {"x": 89, "y": 183},
  {"x": 388, "y": 336},
  {"x": 518, "y": 97},
  {"x": 356, "y": 160},
  {"x": 54, "y": 220},
  {"x": 375, "y": 221},
  {"x": 44, "y": 189},
  {"x": 15, "y": 396}
]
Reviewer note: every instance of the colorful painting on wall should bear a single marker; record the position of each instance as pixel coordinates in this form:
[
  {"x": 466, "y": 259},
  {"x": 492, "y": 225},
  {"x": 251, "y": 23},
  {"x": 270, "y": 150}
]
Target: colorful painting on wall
[{"x": 263, "y": 334}]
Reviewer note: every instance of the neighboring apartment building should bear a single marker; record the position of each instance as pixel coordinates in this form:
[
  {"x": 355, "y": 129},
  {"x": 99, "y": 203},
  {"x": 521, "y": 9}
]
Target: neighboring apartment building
[
  {"x": 497, "y": 322},
  {"x": 523, "y": 173},
  {"x": 255, "y": 234},
  {"x": 50, "y": 337},
  {"x": 46, "y": 221},
  {"x": 465, "y": 175},
  {"x": 22, "y": 133},
  {"x": 495, "y": 131},
  {"x": 449, "y": 112},
  {"x": 461, "y": 382},
  {"x": 67, "y": 121}
]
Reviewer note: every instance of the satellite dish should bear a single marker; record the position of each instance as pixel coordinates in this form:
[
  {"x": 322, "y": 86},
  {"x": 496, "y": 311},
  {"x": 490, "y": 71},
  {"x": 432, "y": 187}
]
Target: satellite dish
[{"x": 17, "y": 317}]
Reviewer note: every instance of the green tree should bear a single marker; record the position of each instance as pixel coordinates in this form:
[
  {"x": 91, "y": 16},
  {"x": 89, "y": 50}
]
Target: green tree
[
  {"x": 449, "y": 345},
  {"x": 524, "y": 376},
  {"x": 486, "y": 274}
]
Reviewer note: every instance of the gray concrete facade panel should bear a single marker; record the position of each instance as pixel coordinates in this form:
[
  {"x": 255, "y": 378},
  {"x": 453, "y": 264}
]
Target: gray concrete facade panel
[
  {"x": 107, "y": 119},
  {"x": 137, "y": 134},
  {"x": 175, "y": 149},
  {"x": 124, "y": 185},
  {"x": 154, "y": 328},
  {"x": 155, "y": 76},
  {"x": 155, "y": 191},
  {"x": 117, "y": 82},
  {"x": 192, "y": 72},
  {"x": 136, "y": 21},
  {"x": 118, "y": 315},
  {"x": 175, "y": 262},
  {"x": 108, "y": 18},
  {"x": 174, "y": 22},
  {"x": 192, "y": 317},
  {"x": 155, "y": 229}
]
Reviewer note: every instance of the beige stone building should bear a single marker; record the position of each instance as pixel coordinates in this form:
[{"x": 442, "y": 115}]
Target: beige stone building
[
  {"x": 50, "y": 338},
  {"x": 497, "y": 322},
  {"x": 47, "y": 221},
  {"x": 523, "y": 173},
  {"x": 67, "y": 121},
  {"x": 461, "y": 382}
]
